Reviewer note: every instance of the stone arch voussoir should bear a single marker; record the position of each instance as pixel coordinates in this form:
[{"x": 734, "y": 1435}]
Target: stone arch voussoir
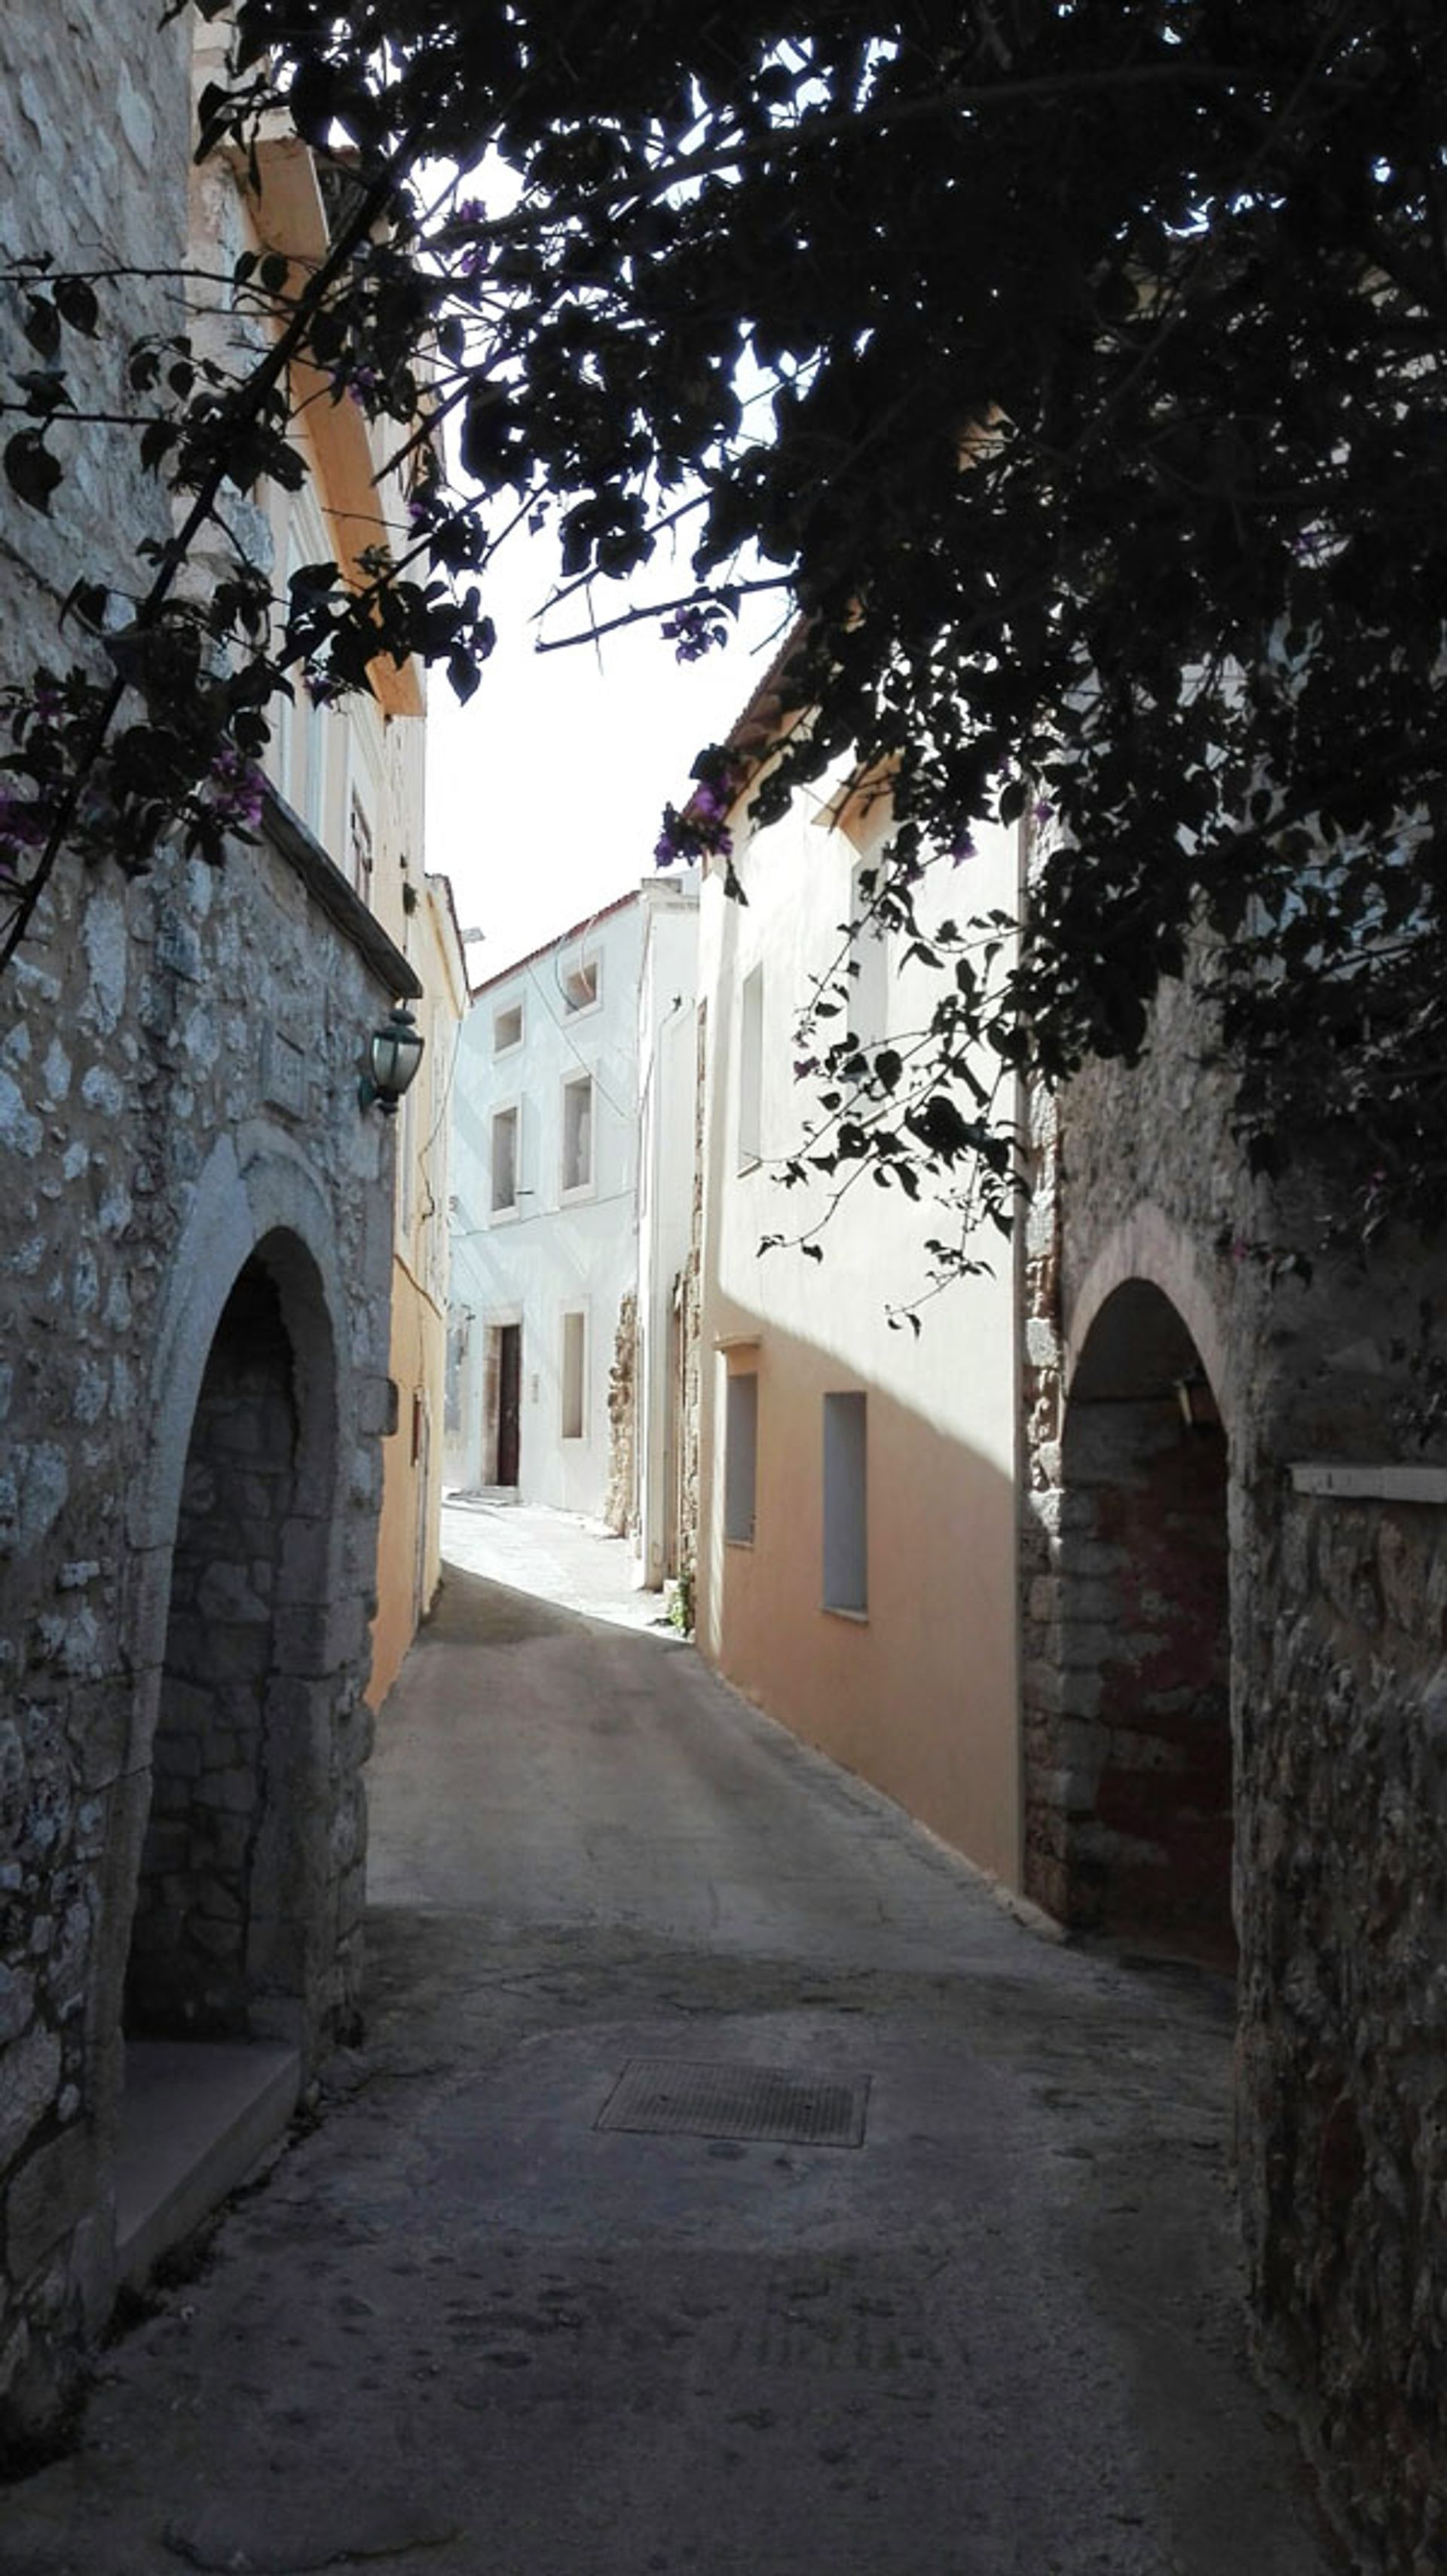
[{"x": 265, "y": 1209}]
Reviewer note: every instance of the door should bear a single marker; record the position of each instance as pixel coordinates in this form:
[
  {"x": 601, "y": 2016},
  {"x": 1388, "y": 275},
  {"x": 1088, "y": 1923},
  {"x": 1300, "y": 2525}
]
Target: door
[{"x": 509, "y": 1402}]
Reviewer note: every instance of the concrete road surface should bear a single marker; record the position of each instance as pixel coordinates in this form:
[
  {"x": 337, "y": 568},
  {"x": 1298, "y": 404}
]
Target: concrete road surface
[{"x": 725, "y": 2185}]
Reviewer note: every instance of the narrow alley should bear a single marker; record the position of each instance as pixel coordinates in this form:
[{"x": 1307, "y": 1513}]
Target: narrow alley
[{"x": 724, "y": 2183}]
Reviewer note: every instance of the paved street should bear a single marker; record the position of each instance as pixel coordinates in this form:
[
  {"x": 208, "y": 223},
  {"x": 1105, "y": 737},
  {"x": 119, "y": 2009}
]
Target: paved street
[{"x": 460, "y": 2325}]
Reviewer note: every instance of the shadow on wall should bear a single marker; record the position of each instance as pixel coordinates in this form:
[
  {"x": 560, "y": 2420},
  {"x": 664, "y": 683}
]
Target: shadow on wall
[{"x": 860, "y": 1581}]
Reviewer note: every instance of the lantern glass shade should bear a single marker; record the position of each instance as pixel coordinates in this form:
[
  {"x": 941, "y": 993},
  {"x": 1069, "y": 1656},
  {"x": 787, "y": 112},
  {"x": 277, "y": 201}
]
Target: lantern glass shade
[{"x": 393, "y": 1055}]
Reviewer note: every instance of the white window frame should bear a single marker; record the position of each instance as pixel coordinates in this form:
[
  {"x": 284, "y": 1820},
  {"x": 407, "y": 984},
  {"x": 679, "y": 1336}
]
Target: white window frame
[
  {"x": 361, "y": 842},
  {"x": 586, "y": 1188},
  {"x": 504, "y": 1212},
  {"x": 868, "y": 1006},
  {"x": 306, "y": 737},
  {"x": 508, "y": 1011},
  {"x": 573, "y": 1333},
  {"x": 583, "y": 967}
]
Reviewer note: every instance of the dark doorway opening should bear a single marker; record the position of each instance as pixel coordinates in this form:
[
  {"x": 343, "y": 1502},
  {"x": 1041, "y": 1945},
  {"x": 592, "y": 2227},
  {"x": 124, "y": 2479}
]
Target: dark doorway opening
[
  {"x": 198, "y": 1937},
  {"x": 509, "y": 1403},
  {"x": 1144, "y": 1577}
]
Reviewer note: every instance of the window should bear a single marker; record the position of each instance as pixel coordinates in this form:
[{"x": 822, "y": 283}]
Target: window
[
  {"x": 359, "y": 848},
  {"x": 504, "y": 1161},
  {"x": 846, "y": 1524},
  {"x": 868, "y": 958},
  {"x": 741, "y": 1456},
  {"x": 577, "y": 1135},
  {"x": 306, "y": 733},
  {"x": 574, "y": 1378},
  {"x": 751, "y": 1068},
  {"x": 580, "y": 985},
  {"x": 507, "y": 1028}
]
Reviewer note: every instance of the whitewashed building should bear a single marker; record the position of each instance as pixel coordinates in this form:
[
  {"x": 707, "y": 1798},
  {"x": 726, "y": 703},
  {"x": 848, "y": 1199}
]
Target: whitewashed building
[{"x": 544, "y": 1210}]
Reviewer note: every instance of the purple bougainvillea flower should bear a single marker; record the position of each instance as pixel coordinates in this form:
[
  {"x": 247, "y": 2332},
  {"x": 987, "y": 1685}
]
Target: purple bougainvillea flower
[
  {"x": 235, "y": 786},
  {"x": 694, "y": 630}
]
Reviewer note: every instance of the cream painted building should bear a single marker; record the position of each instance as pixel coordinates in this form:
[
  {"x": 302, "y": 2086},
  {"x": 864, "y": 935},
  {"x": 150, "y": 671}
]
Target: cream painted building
[
  {"x": 409, "y": 1552},
  {"x": 856, "y": 1569},
  {"x": 351, "y": 774}
]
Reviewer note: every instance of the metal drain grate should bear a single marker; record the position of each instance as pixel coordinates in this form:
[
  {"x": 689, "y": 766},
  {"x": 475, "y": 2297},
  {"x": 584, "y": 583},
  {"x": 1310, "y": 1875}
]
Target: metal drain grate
[{"x": 679, "y": 2097}]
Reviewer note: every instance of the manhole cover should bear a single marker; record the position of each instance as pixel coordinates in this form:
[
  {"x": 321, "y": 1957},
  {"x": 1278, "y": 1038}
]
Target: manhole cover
[{"x": 679, "y": 2097}]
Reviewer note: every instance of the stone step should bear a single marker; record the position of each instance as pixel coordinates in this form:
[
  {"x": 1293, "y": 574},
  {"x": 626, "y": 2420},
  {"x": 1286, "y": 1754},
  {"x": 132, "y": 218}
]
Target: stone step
[{"x": 196, "y": 2116}]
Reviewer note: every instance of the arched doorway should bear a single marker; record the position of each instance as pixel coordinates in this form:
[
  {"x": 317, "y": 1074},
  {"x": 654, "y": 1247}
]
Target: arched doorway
[
  {"x": 1143, "y": 1595},
  {"x": 222, "y": 1928}
]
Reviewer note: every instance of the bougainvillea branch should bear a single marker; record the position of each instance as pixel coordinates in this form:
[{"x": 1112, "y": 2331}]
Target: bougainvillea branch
[{"x": 1076, "y": 367}]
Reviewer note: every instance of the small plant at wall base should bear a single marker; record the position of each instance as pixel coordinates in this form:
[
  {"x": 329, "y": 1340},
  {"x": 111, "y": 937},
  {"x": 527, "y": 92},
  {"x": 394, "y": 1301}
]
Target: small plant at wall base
[
  {"x": 1111, "y": 505},
  {"x": 680, "y": 1601}
]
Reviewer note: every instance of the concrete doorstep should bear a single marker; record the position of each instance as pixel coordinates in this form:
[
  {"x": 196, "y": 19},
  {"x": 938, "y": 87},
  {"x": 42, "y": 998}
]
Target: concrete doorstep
[{"x": 197, "y": 2115}]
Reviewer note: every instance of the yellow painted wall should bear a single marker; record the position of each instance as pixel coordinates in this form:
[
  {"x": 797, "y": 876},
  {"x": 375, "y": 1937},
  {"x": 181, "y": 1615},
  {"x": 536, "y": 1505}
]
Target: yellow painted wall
[{"x": 408, "y": 1538}]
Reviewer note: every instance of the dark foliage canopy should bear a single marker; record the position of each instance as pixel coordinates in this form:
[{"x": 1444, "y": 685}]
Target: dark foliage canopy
[{"x": 1075, "y": 369}]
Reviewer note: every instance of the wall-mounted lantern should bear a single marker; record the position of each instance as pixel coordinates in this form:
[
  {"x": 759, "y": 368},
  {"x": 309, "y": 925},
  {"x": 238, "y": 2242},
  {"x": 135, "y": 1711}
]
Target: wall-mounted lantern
[{"x": 394, "y": 1052}]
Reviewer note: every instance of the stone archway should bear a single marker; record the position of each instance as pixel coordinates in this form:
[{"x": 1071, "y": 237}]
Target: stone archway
[
  {"x": 215, "y": 1863},
  {"x": 1142, "y": 1782}
]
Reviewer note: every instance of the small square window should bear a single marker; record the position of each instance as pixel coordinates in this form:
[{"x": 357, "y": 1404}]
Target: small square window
[
  {"x": 577, "y": 1135},
  {"x": 580, "y": 985},
  {"x": 507, "y": 1028},
  {"x": 504, "y": 1161}
]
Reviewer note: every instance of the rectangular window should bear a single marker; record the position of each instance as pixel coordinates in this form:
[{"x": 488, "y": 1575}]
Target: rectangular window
[
  {"x": 751, "y": 1069},
  {"x": 741, "y": 1456},
  {"x": 504, "y": 1160},
  {"x": 868, "y": 958},
  {"x": 360, "y": 849},
  {"x": 846, "y": 1521},
  {"x": 507, "y": 1028},
  {"x": 580, "y": 985},
  {"x": 573, "y": 1374},
  {"x": 578, "y": 1134}
]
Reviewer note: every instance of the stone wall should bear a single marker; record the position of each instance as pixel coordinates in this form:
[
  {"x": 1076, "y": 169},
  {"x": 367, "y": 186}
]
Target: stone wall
[
  {"x": 1344, "y": 2003},
  {"x": 618, "y": 1510},
  {"x": 178, "y": 1106},
  {"x": 211, "y": 1758},
  {"x": 1336, "y": 1649}
]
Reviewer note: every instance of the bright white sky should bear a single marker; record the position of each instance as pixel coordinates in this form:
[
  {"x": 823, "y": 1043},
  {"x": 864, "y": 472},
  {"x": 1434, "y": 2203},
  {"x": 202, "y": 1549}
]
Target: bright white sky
[{"x": 546, "y": 792}]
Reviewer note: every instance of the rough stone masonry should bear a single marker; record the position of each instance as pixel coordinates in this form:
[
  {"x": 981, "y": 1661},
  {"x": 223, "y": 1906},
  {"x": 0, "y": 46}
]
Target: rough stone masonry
[
  {"x": 1179, "y": 1411},
  {"x": 195, "y": 1226}
]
